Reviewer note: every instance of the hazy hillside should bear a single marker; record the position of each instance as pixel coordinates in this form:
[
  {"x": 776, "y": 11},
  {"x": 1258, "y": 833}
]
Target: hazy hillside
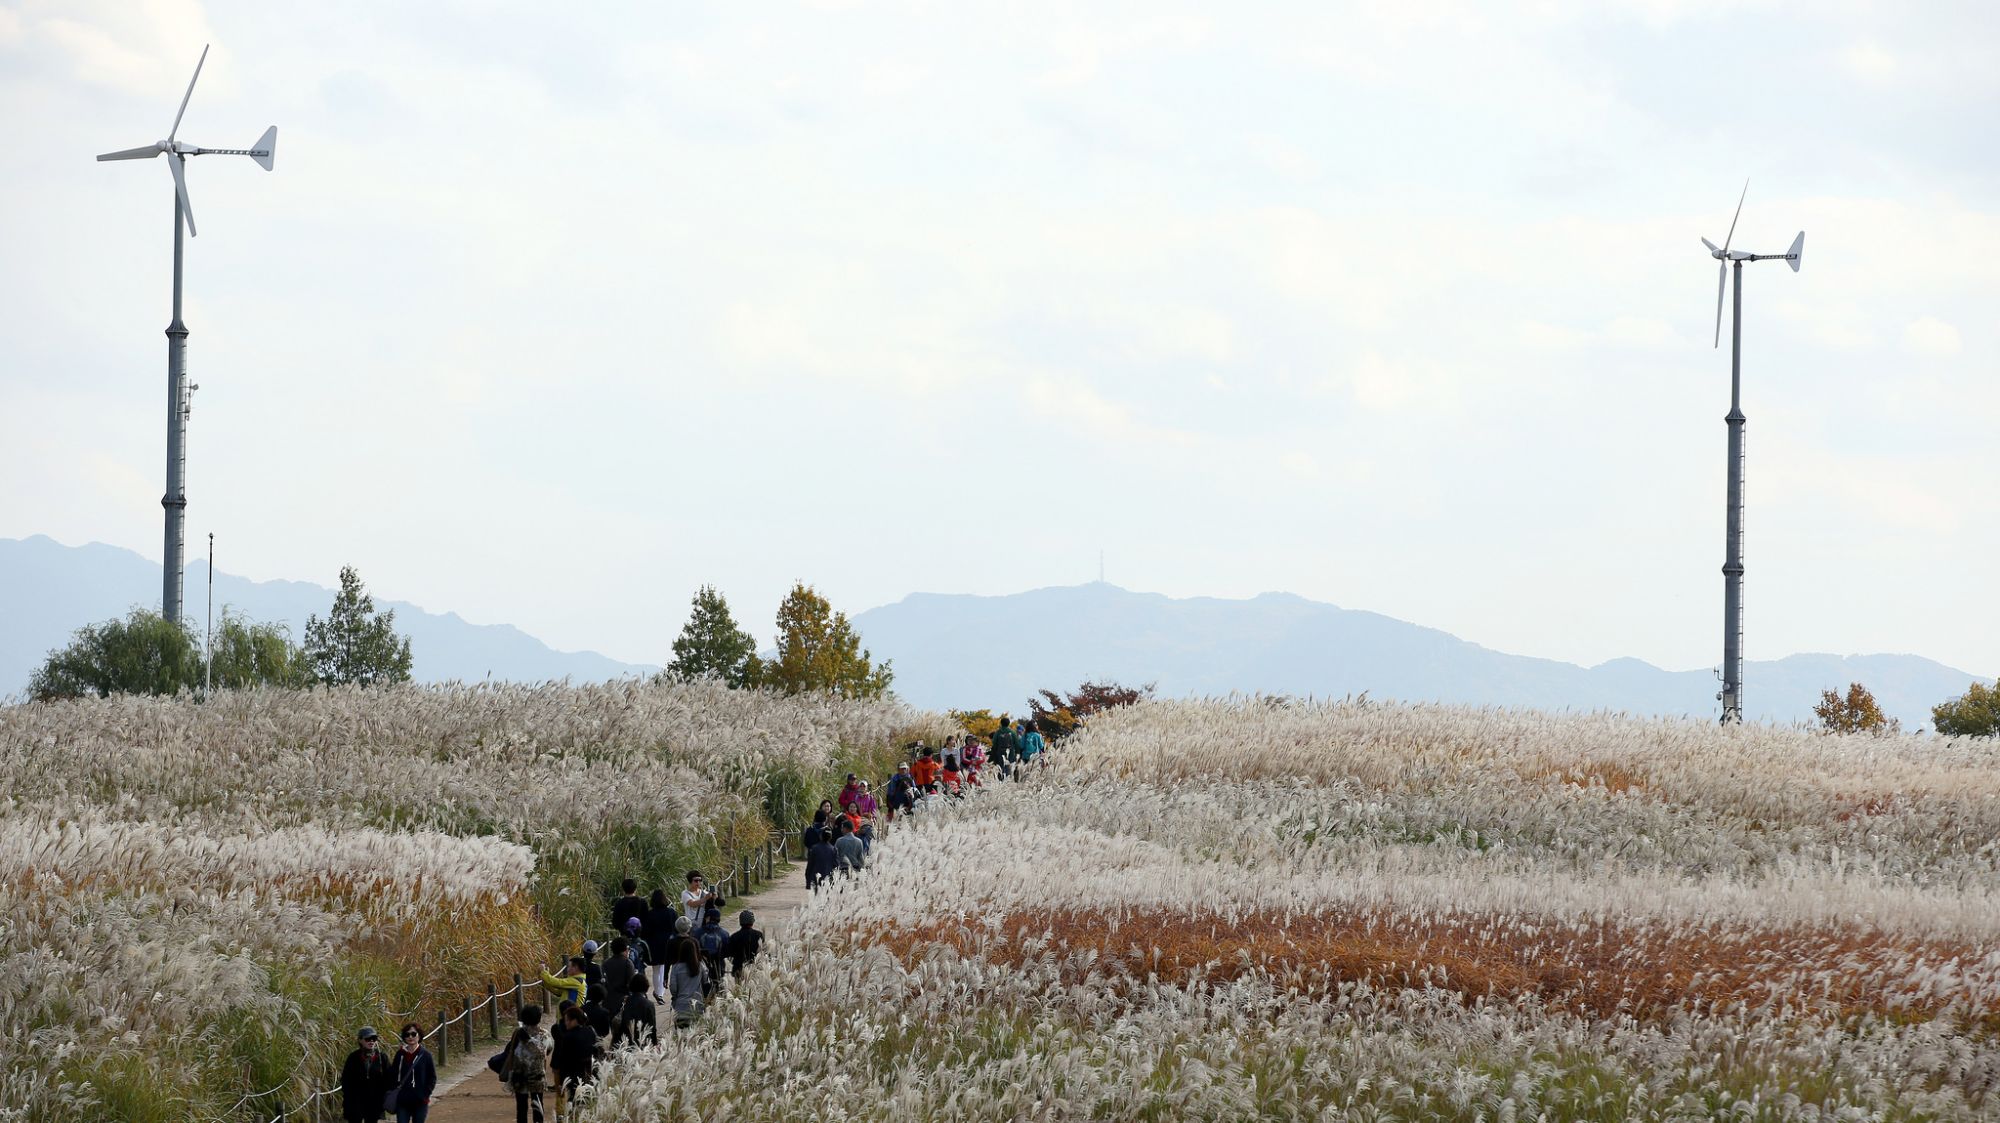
[
  {"x": 48, "y": 590},
  {"x": 965, "y": 651},
  {"x": 953, "y": 650}
]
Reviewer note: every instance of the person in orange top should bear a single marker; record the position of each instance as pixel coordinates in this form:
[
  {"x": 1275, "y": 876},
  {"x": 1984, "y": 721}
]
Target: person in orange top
[{"x": 924, "y": 771}]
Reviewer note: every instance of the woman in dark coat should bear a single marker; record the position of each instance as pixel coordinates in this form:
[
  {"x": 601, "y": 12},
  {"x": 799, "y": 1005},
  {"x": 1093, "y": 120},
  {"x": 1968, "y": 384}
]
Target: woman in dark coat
[
  {"x": 364, "y": 1080},
  {"x": 820, "y": 863},
  {"x": 657, "y": 929}
]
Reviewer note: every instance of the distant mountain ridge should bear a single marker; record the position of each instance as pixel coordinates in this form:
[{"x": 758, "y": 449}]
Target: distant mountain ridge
[
  {"x": 48, "y": 590},
  {"x": 955, "y": 650}
]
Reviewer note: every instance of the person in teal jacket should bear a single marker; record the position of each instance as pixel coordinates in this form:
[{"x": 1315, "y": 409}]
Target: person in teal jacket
[{"x": 1031, "y": 743}]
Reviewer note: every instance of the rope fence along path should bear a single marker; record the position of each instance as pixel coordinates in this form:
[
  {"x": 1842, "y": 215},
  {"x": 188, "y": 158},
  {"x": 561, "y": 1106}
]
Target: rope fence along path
[
  {"x": 471, "y": 1094},
  {"x": 452, "y": 1032}
]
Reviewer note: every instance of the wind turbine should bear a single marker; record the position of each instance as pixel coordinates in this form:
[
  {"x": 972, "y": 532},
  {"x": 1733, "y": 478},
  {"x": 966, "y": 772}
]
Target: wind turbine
[
  {"x": 179, "y": 401},
  {"x": 1732, "y": 563}
]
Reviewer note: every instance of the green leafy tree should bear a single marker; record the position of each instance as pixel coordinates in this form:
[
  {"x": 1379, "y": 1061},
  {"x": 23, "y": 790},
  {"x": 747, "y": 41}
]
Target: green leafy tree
[
  {"x": 355, "y": 644},
  {"x": 711, "y": 643},
  {"x": 1857, "y": 712},
  {"x": 817, "y": 649},
  {"x": 140, "y": 654},
  {"x": 1976, "y": 713},
  {"x": 247, "y": 654}
]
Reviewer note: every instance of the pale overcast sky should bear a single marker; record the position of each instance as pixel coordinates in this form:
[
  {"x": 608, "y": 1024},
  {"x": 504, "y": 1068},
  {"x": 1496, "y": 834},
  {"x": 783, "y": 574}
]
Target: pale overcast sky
[{"x": 551, "y": 313}]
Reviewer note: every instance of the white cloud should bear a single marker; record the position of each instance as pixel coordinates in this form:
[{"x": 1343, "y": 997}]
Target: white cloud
[
  {"x": 1425, "y": 251},
  {"x": 1841, "y": 327},
  {"x": 1383, "y": 385},
  {"x": 1301, "y": 464},
  {"x": 1076, "y": 404},
  {"x": 148, "y": 49},
  {"x": 1869, "y": 61},
  {"x": 1931, "y": 336}
]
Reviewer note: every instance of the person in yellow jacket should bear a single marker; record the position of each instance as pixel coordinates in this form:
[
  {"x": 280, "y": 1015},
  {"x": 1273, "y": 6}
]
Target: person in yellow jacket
[{"x": 569, "y": 986}]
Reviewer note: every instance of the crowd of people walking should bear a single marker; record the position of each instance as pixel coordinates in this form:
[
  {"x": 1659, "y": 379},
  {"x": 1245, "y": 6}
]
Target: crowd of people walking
[
  {"x": 670, "y": 953},
  {"x": 664, "y": 960},
  {"x": 843, "y": 829}
]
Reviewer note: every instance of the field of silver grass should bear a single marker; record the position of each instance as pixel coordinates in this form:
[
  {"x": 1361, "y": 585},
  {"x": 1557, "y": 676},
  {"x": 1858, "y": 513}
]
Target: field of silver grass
[
  {"x": 200, "y": 898},
  {"x": 1258, "y": 909}
]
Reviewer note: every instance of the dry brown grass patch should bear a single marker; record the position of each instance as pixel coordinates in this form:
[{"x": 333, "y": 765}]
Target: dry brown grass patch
[{"x": 1601, "y": 968}]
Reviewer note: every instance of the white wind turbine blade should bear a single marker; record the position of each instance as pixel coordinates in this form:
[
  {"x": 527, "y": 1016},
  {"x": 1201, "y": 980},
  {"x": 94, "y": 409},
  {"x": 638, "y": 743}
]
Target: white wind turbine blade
[
  {"x": 174, "y": 161},
  {"x": 1721, "y": 286},
  {"x": 1712, "y": 248},
  {"x": 1732, "y": 218},
  {"x": 1795, "y": 256},
  {"x": 1722, "y": 278},
  {"x": 145, "y": 153},
  {"x": 175, "y": 131}
]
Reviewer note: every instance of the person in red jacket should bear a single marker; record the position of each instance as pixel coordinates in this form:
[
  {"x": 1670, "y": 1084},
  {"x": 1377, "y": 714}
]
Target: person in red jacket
[{"x": 925, "y": 770}]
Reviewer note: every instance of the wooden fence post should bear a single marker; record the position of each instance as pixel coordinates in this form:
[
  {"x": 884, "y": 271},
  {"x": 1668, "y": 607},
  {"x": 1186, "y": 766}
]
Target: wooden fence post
[
  {"x": 468, "y": 1026},
  {"x": 444, "y": 1038},
  {"x": 492, "y": 1012},
  {"x": 517, "y": 996}
]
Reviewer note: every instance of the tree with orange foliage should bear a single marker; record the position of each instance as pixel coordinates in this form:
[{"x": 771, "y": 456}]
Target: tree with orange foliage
[
  {"x": 1057, "y": 715},
  {"x": 1856, "y": 713}
]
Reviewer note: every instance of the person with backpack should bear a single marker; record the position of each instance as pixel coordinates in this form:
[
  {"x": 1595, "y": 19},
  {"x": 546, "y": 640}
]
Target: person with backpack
[
  {"x": 1005, "y": 749},
  {"x": 684, "y": 986},
  {"x": 413, "y": 1076},
  {"x": 714, "y": 941},
  {"x": 364, "y": 1080},
  {"x": 524, "y": 1065},
  {"x": 745, "y": 943},
  {"x": 656, "y": 931},
  {"x": 573, "y": 1055},
  {"x": 636, "y": 948},
  {"x": 638, "y": 1020}
]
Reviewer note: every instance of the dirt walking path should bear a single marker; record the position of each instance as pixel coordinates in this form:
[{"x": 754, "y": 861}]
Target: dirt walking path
[{"x": 468, "y": 1092}]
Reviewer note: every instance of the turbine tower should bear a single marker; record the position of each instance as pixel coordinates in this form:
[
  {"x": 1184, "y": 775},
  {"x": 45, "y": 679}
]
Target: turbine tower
[
  {"x": 178, "y": 391},
  {"x": 1732, "y": 554}
]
